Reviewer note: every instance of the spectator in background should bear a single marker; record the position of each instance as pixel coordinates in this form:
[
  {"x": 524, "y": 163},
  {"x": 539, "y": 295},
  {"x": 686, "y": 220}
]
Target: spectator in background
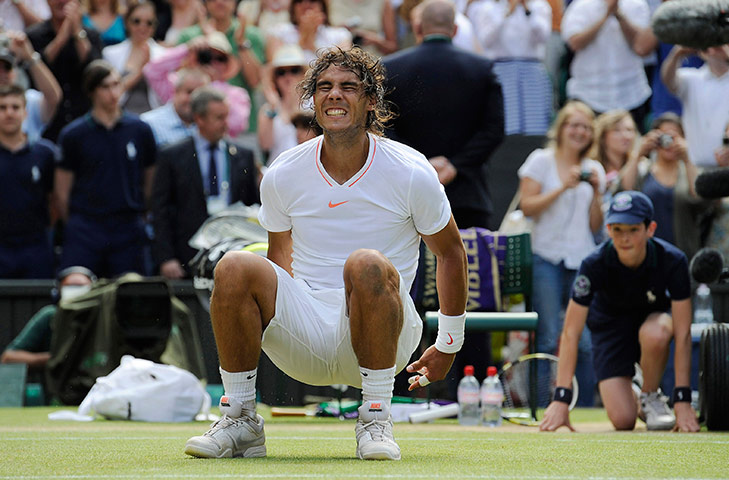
[
  {"x": 306, "y": 126},
  {"x": 212, "y": 54},
  {"x": 514, "y": 34},
  {"x": 183, "y": 14},
  {"x": 704, "y": 97},
  {"x": 104, "y": 179},
  {"x": 372, "y": 23},
  {"x": 247, "y": 49},
  {"x": 26, "y": 169},
  {"x": 464, "y": 38},
  {"x": 450, "y": 109},
  {"x": 566, "y": 207},
  {"x": 668, "y": 178},
  {"x": 718, "y": 236},
  {"x": 309, "y": 28},
  {"x": 19, "y": 15},
  {"x": 33, "y": 344},
  {"x": 105, "y": 17},
  {"x": 607, "y": 70},
  {"x": 173, "y": 121},
  {"x": 265, "y": 13},
  {"x": 67, "y": 48},
  {"x": 615, "y": 147},
  {"x": 132, "y": 54},
  {"x": 276, "y": 132},
  {"x": 197, "y": 177},
  {"x": 41, "y": 104}
]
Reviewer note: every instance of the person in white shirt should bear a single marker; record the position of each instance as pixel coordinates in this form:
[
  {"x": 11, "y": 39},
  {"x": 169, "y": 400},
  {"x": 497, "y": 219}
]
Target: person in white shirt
[
  {"x": 704, "y": 95},
  {"x": 561, "y": 190},
  {"x": 607, "y": 71},
  {"x": 514, "y": 34},
  {"x": 345, "y": 213}
]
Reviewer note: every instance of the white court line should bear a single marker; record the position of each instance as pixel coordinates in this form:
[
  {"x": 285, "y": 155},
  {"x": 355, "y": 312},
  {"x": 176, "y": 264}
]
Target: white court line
[
  {"x": 505, "y": 439},
  {"x": 338, "y": 475}
]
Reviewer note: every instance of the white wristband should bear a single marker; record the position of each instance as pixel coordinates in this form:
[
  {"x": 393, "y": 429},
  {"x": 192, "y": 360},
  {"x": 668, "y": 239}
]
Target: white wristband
[{"x": 450, "y": 332}]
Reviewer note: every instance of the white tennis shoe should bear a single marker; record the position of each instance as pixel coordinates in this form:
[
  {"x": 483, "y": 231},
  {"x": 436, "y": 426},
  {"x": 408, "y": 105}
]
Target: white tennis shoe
[
  {"x": 238, "y": 433},
  {"x": 656, "y": 414},
  {"x": 374, "y": 433}
]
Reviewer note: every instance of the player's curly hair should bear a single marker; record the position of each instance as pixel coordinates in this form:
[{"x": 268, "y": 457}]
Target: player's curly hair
[{"x": 368, "y": 69}]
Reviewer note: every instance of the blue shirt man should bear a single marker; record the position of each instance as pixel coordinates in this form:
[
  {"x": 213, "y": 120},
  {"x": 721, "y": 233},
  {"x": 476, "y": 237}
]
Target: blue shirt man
[
  {"x": 103, "y": 180},
  {"x": 27, "y": 172}
]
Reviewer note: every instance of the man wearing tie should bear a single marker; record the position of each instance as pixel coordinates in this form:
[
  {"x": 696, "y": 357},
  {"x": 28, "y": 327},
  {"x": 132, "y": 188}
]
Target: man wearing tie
[{"x": 197, "y": 177}]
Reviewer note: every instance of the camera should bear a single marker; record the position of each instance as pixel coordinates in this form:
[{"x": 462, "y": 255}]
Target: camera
[
  {"x": 204, "y": 57},
  {"x": 665, "y": 140},
  {"x": 585, "y": 175},
  {"x": 725, "y": 141}
]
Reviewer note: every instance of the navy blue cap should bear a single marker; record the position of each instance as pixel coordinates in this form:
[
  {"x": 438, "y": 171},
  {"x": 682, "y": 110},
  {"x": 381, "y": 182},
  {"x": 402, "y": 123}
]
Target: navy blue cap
[{"x": 630, "y": 207}]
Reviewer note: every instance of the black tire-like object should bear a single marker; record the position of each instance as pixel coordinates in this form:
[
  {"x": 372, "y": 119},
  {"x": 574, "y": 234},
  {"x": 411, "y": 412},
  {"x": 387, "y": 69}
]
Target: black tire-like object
[{"x": 714, "y": 377}]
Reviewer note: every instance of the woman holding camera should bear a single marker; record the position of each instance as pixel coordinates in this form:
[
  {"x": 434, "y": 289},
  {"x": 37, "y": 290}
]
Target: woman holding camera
[
  {"x": 561, "y": 190},
  {"x": 668, "y": 178}
]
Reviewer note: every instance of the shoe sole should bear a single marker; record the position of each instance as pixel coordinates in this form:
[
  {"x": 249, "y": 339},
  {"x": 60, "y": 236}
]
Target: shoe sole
[
  {"x": 377, "y": 455},
  {"x": 199, "y": 451}
]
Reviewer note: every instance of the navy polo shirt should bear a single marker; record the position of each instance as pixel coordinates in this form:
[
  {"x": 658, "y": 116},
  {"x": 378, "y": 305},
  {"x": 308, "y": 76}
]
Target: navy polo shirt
[
  {"x": 108, "y": 164},
  {"x": 27, "y": 178},
  {"x": 614, "y": 291}
]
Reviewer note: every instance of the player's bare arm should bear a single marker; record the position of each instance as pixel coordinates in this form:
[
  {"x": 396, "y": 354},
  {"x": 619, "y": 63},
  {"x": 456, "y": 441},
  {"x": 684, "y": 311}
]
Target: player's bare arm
[
  {"x": 686, "y": 420},
  {"x": 557, "y": 413},
  {"x": 450, "y": 255},
  {"x": 280, "y": 248}
]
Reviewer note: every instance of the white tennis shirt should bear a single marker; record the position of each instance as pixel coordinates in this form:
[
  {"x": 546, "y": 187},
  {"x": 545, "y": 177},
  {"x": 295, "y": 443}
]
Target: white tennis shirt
[{"x": 394, "y": 197}]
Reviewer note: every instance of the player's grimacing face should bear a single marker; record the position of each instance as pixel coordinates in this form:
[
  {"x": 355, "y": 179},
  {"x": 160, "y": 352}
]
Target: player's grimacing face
[{"x": 339, "y": 100}]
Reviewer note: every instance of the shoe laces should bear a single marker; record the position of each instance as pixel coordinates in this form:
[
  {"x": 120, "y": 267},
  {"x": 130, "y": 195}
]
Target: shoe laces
[
  {"x": 226, "y": 421},
  {"x": 657, "y": 403},
  {"x": 379, "y": 430}
]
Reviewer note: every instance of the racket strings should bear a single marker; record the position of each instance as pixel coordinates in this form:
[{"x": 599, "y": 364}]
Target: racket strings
[{"x": 529, "y": 383}]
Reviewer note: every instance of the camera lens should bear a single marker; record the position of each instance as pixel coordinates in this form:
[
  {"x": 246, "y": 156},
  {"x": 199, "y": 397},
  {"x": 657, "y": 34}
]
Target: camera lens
[{"x": 204, "y": 57}]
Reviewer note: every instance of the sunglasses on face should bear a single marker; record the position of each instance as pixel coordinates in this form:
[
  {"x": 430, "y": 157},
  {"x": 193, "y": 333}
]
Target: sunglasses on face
[
  {"x": 280, "y": 72},
  {"x": 139, "y": 21}
]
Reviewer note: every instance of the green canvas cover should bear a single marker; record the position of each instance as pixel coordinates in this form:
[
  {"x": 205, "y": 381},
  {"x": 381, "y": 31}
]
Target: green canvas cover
[{"x": 131, "y": 315}]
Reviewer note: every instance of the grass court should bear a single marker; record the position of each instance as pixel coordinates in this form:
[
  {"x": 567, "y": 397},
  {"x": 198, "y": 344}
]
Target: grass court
[{"x": 34, "y": 447}]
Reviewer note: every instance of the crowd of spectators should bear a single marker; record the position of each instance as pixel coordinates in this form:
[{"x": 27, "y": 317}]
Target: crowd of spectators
[{"x": 588, "y": 75}]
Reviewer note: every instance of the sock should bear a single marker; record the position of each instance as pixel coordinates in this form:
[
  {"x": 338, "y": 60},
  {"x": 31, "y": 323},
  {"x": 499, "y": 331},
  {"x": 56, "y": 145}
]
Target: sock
[
  {"x": 377, "y": 384},
  {"x": 241, "y": 385}
]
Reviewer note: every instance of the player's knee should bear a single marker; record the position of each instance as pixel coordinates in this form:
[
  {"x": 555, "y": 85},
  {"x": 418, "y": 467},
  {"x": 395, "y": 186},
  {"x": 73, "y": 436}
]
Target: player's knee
[
  {"x": 370, "y": 270},
  {"x": 234, "y": 269}
]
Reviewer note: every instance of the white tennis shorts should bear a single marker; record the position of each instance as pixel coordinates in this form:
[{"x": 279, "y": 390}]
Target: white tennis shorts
[{"x": 309, "y": 337}]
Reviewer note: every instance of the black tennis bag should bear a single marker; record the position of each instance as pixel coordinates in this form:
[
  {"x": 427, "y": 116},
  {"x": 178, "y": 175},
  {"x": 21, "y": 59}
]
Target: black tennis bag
[{"x": 129, "y": 316}]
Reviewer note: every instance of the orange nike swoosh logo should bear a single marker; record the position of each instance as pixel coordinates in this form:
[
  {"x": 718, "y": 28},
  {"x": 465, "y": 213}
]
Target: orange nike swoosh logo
[
  {"x": 451, "y": 342},
  {"x": 332, "y": 205}
]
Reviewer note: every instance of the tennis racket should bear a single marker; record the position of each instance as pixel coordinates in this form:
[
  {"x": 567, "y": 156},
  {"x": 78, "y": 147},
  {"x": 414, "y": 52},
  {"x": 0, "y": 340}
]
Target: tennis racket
[
  {"x": 238, "y": 221},
  {"x": 529, "y": 383}
]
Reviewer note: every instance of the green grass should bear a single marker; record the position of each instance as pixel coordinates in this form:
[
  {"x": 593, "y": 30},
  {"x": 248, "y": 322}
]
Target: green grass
[{"x": 33, "y": 447}]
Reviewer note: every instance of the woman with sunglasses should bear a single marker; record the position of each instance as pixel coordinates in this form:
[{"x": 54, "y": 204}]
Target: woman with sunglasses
[
  {"x": 276, "y": 132},
  {"x": 131, "y": 55},
  {"x": 104, "y": 16}
]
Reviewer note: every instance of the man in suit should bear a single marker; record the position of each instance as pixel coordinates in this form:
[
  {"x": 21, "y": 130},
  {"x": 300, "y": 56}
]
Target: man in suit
[
  {"x": 197, "y": 177},
  {"x": 450, "y": 108}
]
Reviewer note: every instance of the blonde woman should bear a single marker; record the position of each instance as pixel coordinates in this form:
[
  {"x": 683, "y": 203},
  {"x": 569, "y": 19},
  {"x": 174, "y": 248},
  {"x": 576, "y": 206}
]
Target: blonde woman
[{"x": 561, "y": 190}]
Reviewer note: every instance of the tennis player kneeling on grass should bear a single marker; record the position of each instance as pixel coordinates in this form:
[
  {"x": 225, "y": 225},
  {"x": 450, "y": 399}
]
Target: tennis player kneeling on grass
[
  {"x": 634, "y": 293},
  {"x": 330, "y": 305}
]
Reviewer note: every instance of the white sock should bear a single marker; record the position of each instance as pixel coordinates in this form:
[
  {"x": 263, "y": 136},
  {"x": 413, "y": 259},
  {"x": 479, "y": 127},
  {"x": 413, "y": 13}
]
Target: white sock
[
  {"x": 377, "y": 384},
  {"x": 241, "y": 385}
]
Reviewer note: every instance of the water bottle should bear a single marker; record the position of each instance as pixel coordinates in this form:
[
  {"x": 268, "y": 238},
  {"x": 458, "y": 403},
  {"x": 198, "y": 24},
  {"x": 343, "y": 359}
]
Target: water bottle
[
  {"x": 468, "y": 411},
  {"x": 492, "y": 396},
  {"x": 703, "y": 312}
]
